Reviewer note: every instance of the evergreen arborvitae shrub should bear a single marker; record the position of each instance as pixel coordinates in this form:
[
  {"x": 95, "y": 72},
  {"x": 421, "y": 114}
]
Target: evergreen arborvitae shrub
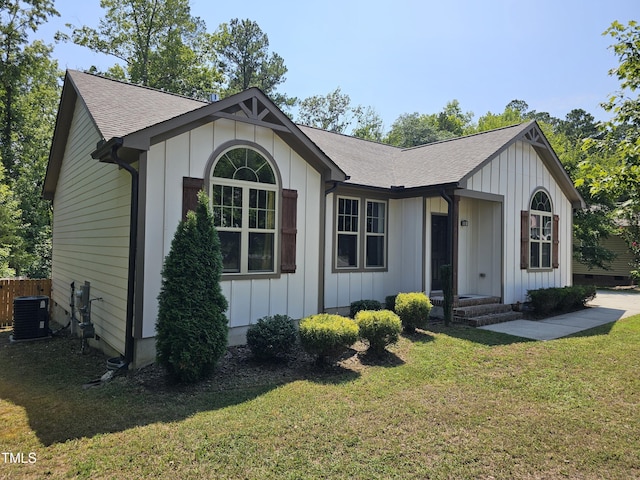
[
  {"x": 325, "y": 334},
  {"x": 272, "y": 337},
  {"x": 390, "y": 302},
  {"x": 192, "y": 330},
  {"x": 413, "y": 310},
  {"x": 363, "y": 305},
  {"x": 378, "y": 328},
  {"x": 446, "y": 273}
]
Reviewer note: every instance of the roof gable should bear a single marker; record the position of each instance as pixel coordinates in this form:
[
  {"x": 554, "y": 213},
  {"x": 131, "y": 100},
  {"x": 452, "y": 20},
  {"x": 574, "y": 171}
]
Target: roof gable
[{"x": 450, "y": 161}]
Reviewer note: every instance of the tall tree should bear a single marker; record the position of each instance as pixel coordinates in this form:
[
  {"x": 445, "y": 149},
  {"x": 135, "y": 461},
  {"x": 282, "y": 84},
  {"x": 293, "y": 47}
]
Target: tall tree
[
  {"x": 413, "y": 129},
  {"x": 619, "y": 143},
  {"x": 154, "y": 39},
  {"x": 453, "y": 120},
  {"x": 332, "y": 112},
  {"x": 17, "y": 19},
  {"x": 30, "y": 93},
  {"x": 243, "y": 51},
  {"x": 368, "y": 124},
  {"x": 9, "y": 228}
]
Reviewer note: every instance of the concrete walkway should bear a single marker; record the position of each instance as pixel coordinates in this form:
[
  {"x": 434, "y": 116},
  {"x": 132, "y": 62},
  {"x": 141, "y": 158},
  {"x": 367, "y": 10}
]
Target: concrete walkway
[{"x": 607, "y": 307}]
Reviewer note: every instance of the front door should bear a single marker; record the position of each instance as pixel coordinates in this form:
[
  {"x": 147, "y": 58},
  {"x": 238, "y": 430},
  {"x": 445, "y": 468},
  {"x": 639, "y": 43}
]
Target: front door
[{"x": 438, "y": 248}]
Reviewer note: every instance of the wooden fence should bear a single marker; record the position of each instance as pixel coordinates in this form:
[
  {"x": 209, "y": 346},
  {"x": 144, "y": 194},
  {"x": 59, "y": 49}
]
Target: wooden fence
[{"x": 9, "y": 289}]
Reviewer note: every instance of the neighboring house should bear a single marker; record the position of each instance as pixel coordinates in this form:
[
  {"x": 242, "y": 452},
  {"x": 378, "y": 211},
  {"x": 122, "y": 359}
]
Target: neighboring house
[
  {"x": 309, "y": 220},
  {"x": 620, "y": 268}
]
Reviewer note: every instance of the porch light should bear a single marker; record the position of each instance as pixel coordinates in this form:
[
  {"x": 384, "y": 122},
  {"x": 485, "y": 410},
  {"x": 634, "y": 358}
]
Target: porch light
[{"x": 464, "y": 223}]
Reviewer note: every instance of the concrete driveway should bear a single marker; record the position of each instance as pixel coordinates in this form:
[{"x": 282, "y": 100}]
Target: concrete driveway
[{"x": 607, "y": 307}]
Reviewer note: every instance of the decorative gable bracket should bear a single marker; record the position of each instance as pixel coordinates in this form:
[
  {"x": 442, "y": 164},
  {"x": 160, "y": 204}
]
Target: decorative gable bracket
[
  {"x": 534, "y": 136},
  {"x": 252, "y": 111}
]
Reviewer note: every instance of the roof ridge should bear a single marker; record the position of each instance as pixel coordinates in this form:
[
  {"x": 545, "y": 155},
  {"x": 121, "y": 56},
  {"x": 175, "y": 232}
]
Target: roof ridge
[
  {"x": 130, "y": 84},
  {"x": 453, "y": 139},
  {"x": 376, "y": 142}
]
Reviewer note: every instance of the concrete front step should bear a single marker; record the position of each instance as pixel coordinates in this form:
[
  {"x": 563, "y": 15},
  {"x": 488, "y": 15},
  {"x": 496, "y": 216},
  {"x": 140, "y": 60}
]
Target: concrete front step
[{"x": 489, "y": 319}]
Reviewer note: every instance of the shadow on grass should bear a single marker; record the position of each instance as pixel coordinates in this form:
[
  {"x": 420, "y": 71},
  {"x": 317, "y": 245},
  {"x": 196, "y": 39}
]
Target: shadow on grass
[
  {"x": 45, "y": 379},
  {"x": 483, "y": 337},
  {"x": 384, "y": 359},
  {"x": 595, "y": 331},
  {"x": 419, "y": 336}
]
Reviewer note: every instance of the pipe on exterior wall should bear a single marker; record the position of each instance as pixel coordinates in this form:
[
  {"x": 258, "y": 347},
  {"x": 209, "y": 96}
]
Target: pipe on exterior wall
[{"x": 133, "y": 241}]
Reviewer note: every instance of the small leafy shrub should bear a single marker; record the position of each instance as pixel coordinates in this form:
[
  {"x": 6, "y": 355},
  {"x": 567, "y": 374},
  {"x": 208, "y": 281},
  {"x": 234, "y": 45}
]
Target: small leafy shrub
[
  {"x": 390, "y": 302},
  {"x": 413, "y": 310},
  {"x": 325, "y": 334},
  {"x": 364, "y": 305},
  {"x": 378, "y": 328},
  {"x": 271, "y": 337},
  {"x": 546, "y": 301}
]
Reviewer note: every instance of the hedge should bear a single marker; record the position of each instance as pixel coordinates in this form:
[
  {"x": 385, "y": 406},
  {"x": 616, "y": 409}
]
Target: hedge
[{"x": 558, "y": 300}]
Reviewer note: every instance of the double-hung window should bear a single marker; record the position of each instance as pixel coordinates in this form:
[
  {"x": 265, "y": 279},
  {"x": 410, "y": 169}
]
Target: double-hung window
[
  {"x": 361, "y": 233},
  {"x": 245, "y": 203},
  {"x": 376, "y": 234},
  {"x": 348, "y": 232}
]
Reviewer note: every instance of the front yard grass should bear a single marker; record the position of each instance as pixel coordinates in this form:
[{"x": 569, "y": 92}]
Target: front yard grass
[{"x": 456, "y": 403}]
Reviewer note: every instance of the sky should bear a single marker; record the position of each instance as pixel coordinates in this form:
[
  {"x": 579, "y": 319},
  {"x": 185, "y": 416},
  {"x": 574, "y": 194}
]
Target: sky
[{"x": 406, "y": 56}]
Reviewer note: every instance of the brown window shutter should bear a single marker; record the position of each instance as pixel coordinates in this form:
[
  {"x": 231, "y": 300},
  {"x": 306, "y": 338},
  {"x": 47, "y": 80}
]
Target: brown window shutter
[
  {"x": 556, "y": 242},
  {"x": 289, "y": 231},
  {"x": 524, "y": 239},
  {"x": 190, "y": 189}
]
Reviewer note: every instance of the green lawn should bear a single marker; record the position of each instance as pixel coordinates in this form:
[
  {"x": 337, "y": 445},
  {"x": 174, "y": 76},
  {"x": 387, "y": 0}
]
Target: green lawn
[{"x": 454, "y": 403}]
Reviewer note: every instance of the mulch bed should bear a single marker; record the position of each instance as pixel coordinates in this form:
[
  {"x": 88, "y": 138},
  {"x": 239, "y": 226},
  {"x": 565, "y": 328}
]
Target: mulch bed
[{"x": 238, "y": 369}]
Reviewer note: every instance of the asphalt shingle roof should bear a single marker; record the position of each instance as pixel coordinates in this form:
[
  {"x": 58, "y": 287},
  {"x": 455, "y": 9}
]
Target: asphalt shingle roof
[
  {"x": 120, "y": 108},
  {"x": 378, "y": 165}
]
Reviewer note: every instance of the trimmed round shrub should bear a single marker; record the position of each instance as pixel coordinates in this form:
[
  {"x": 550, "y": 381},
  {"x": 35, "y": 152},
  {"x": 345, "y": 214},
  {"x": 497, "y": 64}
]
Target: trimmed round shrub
[
  {"x": 413, "y": 310},
  {"x": 378, "y": 328},
  {"x": 364, "y": 305},
  {"x": 271, "y": 337},
  {"x": 325, "y": 334}
]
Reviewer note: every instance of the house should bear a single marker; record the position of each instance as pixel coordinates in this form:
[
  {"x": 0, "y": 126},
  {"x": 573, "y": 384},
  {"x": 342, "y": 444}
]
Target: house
[
  {"x": 619, "y": 272},
  {"x": 309, "y": 220}
]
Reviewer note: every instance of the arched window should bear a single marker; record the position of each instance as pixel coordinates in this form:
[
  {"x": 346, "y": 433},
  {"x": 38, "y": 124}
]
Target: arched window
[
  {"x": 541, "y": 231},
  {"x": 245, "y": 205}
]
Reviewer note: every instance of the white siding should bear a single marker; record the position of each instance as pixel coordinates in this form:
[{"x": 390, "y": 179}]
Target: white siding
[
  {"x": 91, "y": 230},
  {"x": 404, "y": 258},
  {"x": 516, "y": 173},
  {"x": 187, "y": 155}
]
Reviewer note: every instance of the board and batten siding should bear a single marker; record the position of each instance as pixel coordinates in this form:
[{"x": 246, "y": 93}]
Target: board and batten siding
[
  {"x": 91, "y": 231},
  {"x": 516, "y": 174},
  {"x": 187, "y": 155},
  {"x": 404, "y": 258}
]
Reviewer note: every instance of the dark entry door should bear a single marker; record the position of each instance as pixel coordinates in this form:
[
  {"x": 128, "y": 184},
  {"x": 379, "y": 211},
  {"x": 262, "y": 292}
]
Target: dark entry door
[{"x": 438, "y": 249}]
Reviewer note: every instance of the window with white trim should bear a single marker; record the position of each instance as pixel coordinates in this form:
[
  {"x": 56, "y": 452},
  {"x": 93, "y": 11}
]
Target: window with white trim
[
  {"x": 361, "y": 233},
  {"x": 244, "y": 205},
  {"x": 540, "y": 231},
  {"x": 348, "y": 232},
  {"x": 375, "y": 234}
]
